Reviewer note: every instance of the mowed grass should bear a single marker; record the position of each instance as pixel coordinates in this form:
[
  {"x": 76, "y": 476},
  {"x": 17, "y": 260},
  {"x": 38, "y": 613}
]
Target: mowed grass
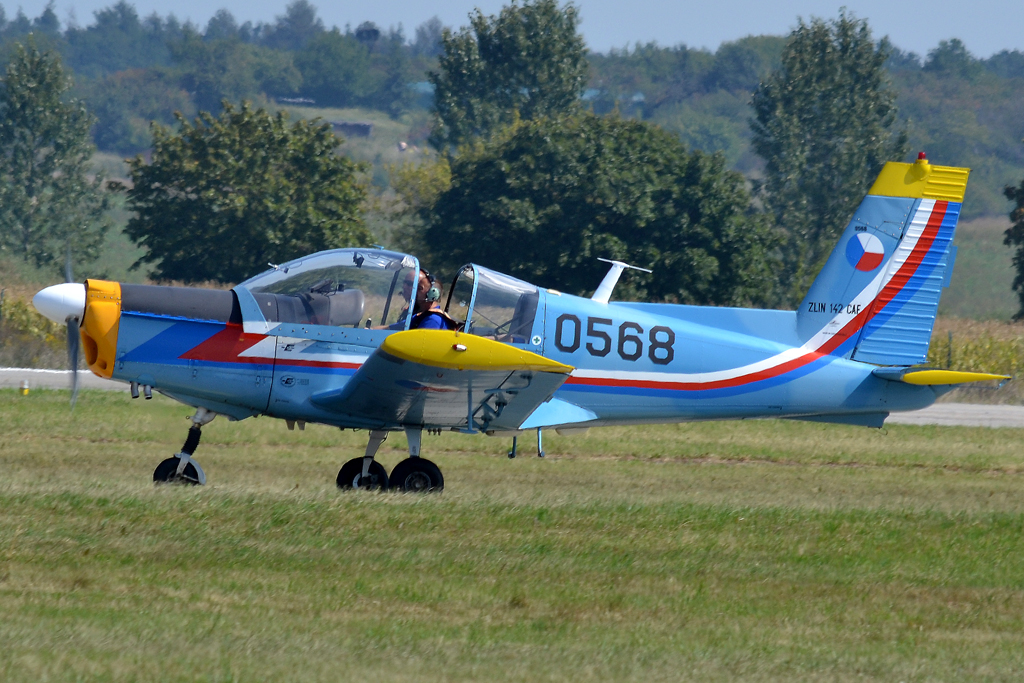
[{"x": 766, "y": 550}]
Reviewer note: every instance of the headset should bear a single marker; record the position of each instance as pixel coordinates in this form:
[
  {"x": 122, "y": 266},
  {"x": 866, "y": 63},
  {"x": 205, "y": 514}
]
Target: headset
[{"x": 434, "y": 291}]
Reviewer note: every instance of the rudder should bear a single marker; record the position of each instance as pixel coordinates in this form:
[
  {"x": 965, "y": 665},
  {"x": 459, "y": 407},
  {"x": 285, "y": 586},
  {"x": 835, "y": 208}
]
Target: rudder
[{"x": 879, "y": 290}]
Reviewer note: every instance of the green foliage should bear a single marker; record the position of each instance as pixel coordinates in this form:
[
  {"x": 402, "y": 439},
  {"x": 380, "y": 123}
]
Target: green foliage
[
  {"x": 21, "y": 319},
  {"x": 49, "y": 207},
  {"x": 825, "y": 124},
  {"x": 545, "y": 198},
  {"x": 965, "y": 116},
  {"x": 710, "y": 123},
  {"x": 527, "y": 62},
  {"x": 1015, "y": 238},
  {"x": 233, "y": 70},
  {"x": 296, "y": 27},
  {"x": 339, "y": 70},
  {"x": 126, "y": 102},
  {"x": 335, "y": 69},
  {"x": 225, "y": 196},
  {"x": 952, "y": 57},
  {"x": 117, "y": 41},
  {"x": 649, "y": 77},
  {"x": 28, "y": 339},
  {"x": 1006, "y": 64}
]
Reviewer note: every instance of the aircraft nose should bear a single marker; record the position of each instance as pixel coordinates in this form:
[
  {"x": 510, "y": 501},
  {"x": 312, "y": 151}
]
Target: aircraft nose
[{"x": 58, "y": 302}]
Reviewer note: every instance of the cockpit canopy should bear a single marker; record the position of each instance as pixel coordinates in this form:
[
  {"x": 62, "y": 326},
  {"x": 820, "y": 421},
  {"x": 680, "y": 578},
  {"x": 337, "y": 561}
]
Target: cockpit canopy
[
  {"x": 491, "y": 304},
  {"x": 373, "y": 288},
  {"x": 342, "y": 287}
]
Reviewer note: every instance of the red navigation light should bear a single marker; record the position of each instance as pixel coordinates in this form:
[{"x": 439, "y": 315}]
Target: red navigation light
[{"x": 920, "y": 155}]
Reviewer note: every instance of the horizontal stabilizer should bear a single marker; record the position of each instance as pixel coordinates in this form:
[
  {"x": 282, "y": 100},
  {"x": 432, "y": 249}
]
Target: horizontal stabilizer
[
  {"x": 927, "y": 377},
  {"x": 558, "y": 412}
]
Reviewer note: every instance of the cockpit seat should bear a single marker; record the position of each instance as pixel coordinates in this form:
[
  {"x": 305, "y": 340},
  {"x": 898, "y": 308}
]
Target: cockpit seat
[
  {"x": 525, "y": 312},
  {"x": 346, "y": 308},
  {"x": 312, "y": 308}
]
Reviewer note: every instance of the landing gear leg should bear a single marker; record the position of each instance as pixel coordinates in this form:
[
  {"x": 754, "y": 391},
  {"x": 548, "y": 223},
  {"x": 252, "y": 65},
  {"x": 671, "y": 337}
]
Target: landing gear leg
[
  {"x": 416, "y": 474},
  {"x": 540, "y": 443},
  {"x": 515, "y": 443},
  {"x": 365, "y": 472},
  {"x": 181, "y": 468}
]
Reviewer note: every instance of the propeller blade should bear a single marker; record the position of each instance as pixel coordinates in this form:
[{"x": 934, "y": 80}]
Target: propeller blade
[
  {"x": 68, "y": 276},
  {"x": 73, "y": 341}
]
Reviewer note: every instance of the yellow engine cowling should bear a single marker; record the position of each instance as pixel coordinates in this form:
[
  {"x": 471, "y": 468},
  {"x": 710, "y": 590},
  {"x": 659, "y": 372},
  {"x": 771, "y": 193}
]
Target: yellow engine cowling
[{"x": 100, "y": 325}]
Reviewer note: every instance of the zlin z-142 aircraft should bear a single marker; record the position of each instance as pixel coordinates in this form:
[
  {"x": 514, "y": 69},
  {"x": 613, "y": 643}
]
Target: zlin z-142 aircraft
[{"x": 326, "y": 339}]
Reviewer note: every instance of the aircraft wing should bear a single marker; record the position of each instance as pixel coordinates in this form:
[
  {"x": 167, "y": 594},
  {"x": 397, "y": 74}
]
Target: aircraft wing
[{"x": 444, "y": 379}]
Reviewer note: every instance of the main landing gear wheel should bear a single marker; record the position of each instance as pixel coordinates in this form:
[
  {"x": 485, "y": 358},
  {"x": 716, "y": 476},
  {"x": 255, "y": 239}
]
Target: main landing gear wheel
[
  {"x": 351, "y": 476},
  {"x": 167, "y": 473},
  {"x": 417, "y": 475}
]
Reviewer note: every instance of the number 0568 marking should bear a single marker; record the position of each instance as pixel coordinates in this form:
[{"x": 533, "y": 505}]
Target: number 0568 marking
[{"x": 628, "y": 340}]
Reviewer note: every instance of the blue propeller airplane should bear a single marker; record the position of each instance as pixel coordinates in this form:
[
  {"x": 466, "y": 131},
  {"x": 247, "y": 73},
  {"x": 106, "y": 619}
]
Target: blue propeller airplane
[{"x": 327, "y": 339}]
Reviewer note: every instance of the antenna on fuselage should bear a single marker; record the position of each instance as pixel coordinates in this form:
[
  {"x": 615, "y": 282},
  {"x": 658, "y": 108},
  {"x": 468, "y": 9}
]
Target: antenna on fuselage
[{"x": 604, "y": 290}]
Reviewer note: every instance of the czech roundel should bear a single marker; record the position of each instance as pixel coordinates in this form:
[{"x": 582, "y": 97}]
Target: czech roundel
[{"x": 865, "y": 252}]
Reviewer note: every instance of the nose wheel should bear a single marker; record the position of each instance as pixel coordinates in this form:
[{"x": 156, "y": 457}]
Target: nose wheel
[
  {"x": 365, "y": 472},
  {"x": 181, "y": 468}
]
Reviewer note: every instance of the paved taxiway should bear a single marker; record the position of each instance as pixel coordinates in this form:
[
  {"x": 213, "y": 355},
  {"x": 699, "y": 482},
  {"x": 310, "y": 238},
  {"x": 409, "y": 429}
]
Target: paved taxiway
[{"x": 951, "y": 414}]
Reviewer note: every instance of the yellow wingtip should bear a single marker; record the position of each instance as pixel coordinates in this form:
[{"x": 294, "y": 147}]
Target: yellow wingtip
[{"x": 459, "y": 351}]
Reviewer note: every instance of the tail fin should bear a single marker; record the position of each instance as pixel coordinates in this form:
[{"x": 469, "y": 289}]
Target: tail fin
[{"x": 879, "y": 290}]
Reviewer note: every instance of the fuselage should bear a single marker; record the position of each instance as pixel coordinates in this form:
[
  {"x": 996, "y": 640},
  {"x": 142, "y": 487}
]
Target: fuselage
[{"x": 634, "y": 363}]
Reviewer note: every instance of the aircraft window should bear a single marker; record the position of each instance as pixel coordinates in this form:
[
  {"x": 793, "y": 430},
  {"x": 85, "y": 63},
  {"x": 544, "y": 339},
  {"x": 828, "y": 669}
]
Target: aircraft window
[
  {"x": 350, "y": 287},
  {"x": 460, "y": 295},
  {"x": 504, "y": 307}
]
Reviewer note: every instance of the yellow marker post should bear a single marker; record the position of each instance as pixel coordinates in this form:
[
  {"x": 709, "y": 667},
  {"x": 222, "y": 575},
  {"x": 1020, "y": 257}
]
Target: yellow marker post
[{"x": 24, "y": 387}]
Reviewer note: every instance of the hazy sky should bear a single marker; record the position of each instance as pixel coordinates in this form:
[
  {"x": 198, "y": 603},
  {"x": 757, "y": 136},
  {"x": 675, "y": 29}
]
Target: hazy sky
[{"x": 985, "y": 26}]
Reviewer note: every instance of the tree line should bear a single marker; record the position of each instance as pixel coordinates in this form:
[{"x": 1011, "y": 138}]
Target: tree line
[
  {"x": 130, "y": 70},
  {"x": 528, "y": 175}
]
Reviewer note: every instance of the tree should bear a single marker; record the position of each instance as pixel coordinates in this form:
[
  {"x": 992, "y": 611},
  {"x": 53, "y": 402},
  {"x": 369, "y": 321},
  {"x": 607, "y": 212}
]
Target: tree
[
  {"x": 428, "y": 38},
  {"x": 296, "y": 27},
  {"x": 127, "y": 101},
  {"x": 529, "y": 61},
  {"x": 118, "y": 40},
  {"x": 233, "y": 70},
  {"x": 825, "y": 123},
  {"x": 952, "y": 58},
  {"x": 335, "y": 69},
  {"x": 1014, "y": 237},
  {"x": 48, "y": 204},
  {"x": 224, "y": 196},
  {"x": 544, "y": 199}
]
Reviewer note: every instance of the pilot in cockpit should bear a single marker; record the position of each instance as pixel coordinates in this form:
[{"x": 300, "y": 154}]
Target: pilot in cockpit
[{"x": 427, "y": 313}]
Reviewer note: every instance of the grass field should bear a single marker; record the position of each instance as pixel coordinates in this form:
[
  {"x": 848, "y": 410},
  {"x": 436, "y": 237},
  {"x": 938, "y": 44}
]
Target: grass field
[
  {"x": 753, "y": 550},
  {"x": 981, "y": 286}
]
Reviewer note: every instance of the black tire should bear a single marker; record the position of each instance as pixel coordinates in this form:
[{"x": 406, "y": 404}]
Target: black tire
[
  {"x": 167, "y": 473},
  {"x": 417, "y": 475},
  {"x": 351, "y": 472}
]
